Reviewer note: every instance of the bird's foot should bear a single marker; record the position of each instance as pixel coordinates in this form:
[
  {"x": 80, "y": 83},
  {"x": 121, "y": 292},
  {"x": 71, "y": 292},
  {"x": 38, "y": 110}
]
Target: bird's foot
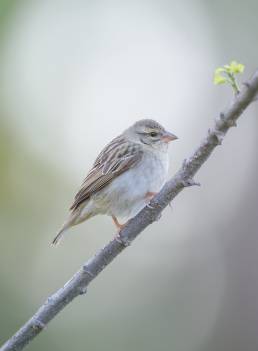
[
  {"x": 121, "y": 240},
  {"x": 117, "y": 224},
  {"x": 148, "y": 196},
  {"x": 118, "y": 237}
]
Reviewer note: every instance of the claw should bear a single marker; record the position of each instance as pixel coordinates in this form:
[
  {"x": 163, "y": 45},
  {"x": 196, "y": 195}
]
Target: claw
[
  {"x": 122, "y": 241},
  {"x": 148, "y": 196}
]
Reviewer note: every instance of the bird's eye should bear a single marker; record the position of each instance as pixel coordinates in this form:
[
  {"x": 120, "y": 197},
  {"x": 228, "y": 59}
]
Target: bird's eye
[{"x": 153, "y": 134}]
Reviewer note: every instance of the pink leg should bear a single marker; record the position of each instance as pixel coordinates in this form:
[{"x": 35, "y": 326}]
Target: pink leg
[
  {"x": 117, "y": 224},
  {"x": 149, "y": 195},
  {"x": 120, "y": 227}
]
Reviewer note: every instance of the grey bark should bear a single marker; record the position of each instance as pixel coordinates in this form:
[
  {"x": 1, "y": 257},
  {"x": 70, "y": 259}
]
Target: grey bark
[{"x": 78, "y": 284}]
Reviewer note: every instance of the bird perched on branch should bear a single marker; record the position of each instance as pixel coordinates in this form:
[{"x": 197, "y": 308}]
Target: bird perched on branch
[{"x": 128, "y": 172}]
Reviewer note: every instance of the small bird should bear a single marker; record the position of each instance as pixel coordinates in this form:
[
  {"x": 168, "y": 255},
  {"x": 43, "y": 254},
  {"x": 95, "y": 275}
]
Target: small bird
[{"x": 128, "y": 172}]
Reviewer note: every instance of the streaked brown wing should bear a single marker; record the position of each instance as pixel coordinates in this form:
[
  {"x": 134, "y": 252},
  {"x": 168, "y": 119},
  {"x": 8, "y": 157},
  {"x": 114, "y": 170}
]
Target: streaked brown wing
[{"x": 116, "y": 158}]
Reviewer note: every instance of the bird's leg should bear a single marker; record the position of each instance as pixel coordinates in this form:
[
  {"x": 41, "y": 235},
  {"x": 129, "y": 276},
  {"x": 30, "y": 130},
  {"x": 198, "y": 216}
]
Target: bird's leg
[
  {"x": 120, "y": 227},
  {"x": 148, "y": 196},
  {"x": 117, "y": 224}
]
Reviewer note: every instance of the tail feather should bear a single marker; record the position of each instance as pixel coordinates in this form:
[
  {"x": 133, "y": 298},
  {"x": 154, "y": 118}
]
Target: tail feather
[
  {"x": 73, "y": 219},
  {"x": 59, "y": 236},
  {"x": 69, "y": 223}
]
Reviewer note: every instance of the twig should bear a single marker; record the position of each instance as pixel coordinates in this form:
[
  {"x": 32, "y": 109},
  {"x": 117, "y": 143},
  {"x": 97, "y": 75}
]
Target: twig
[{"x": 183, "y": 178}]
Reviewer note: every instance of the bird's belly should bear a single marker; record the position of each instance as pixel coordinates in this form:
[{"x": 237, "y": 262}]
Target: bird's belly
[{"x": 125, "y": 196}]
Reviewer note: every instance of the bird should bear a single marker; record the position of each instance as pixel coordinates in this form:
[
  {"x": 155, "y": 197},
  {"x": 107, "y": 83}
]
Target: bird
[{"x": 127, "y": 173}]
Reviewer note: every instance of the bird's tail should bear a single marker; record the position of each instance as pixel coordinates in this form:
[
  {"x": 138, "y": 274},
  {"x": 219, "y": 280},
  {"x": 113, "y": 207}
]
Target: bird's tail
[
  {"x": 73, "y": 219},
  {"x": 59, "y": 236},
  {"x": 69, "y": 223}
]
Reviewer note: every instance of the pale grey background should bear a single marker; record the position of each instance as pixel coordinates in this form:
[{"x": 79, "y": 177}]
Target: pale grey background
[{"x": 74, "y": 74}]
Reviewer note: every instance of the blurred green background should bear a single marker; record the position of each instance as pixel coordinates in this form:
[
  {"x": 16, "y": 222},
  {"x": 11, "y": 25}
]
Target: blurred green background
[{"x": 74, "y": 74}]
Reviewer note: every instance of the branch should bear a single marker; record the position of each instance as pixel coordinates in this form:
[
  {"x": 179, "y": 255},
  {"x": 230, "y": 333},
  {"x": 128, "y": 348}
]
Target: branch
[{"x": 78, "y": 284}]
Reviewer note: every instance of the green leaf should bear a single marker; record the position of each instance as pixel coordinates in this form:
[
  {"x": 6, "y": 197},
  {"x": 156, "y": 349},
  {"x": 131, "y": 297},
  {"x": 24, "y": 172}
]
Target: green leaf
[
  {"x": 226, "y": 74},
  {"x": 219, "y": 70},
  {"x": 218, "y": 79},
  {"x": 236, "y": 67}
]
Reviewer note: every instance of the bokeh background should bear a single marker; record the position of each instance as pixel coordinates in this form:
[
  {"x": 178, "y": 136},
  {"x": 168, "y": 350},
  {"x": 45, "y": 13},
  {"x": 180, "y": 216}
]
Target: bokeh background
[{"x": 74, "y": 74}]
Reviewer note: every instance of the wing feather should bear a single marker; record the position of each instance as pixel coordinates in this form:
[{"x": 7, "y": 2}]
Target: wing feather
[{"x": 117, "y": 157}]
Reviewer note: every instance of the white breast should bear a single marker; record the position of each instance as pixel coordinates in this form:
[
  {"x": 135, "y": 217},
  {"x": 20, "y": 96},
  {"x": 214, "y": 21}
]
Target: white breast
[{"x": 125, "y": 196}]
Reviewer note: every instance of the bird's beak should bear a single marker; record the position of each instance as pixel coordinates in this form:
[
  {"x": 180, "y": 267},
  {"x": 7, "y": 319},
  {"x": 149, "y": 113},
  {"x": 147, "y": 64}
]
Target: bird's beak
[{"x": 167, "y": 137}]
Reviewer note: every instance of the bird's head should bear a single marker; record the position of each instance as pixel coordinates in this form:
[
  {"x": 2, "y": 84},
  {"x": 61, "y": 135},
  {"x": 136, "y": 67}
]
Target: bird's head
[{"x": 150, "y": 133}]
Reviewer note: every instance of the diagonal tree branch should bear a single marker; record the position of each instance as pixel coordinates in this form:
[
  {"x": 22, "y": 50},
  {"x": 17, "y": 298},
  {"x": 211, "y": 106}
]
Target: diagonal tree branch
[{"x": 78, "y": 284}]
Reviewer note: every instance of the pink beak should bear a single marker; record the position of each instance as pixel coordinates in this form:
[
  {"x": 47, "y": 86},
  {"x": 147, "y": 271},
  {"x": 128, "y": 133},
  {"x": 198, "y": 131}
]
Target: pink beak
[{"x": 167, "y": 137}]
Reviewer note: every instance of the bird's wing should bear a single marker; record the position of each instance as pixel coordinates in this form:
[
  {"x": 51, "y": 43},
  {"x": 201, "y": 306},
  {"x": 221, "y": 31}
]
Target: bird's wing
[{"x": 117, "y": 157}]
